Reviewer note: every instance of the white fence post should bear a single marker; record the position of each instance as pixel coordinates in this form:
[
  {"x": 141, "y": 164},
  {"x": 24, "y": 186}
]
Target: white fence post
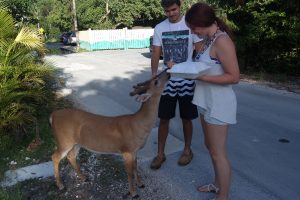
[{"x": 125, "y": 38}]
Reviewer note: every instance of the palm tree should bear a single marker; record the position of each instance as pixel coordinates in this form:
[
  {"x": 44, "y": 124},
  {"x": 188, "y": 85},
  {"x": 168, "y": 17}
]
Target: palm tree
[{"x": 22, "y": 74}]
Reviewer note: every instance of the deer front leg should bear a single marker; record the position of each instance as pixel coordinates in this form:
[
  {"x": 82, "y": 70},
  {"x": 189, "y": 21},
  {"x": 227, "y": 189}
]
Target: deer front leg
[
  {"x": 129, "y": 159},
  {"x": 138, "y": 179}
]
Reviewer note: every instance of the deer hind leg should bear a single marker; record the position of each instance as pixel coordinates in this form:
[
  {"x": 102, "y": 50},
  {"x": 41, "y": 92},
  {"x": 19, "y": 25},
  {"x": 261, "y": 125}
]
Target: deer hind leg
[
  {"x": 137, "y": 177},
  {"x": 71, "y": 156},
  {"x": 129, "y": 165},
  {"x": 56, "y": 158}
]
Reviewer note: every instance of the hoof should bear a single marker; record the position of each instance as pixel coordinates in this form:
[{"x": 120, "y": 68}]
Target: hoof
[
  {"x": 61, "y": 187},
  {"x": 126, "y": 195},
  {"x": 134, "y": 196},
  {"x": 84, "y": 178}
]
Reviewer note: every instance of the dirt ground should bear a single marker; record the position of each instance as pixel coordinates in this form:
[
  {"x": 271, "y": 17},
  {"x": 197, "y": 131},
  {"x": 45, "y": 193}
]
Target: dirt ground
[
  {"x": 291, "y": 85},
  {"x": 107, "y": 179}
]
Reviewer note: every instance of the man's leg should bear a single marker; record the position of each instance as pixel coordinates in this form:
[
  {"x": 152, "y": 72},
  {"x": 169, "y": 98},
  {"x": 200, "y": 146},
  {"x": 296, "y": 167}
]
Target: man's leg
[
  {"x": 188, "y": 133},
  {"x": 166, "y": 111},
  {"x": 188, "y": 111},
  {"x": 163, "y": 131}
]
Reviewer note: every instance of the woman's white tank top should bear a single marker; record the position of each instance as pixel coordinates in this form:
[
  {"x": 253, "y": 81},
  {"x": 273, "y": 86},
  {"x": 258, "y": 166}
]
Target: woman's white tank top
[{"x": 219, "y": 101}]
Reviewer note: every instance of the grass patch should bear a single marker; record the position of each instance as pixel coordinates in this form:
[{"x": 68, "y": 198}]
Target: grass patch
[
  {"x": 83, "y": 50},
  {"x": 10, "y": 194},
  {"x": 15, "y": 154},
  {"x": 54, "y": 51},
  {"x": 104, "y": 172}
]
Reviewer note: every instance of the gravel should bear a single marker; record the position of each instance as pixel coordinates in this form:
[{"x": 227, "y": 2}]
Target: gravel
[{"x": 107, "y": 179}]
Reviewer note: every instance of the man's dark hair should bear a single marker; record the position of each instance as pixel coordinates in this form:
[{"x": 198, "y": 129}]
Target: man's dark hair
[{"x": 168, "y": 3}]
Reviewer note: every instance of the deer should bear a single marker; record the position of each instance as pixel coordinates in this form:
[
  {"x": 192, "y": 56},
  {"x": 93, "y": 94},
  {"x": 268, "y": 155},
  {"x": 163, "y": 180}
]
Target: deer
[{"x": 125, "y": 134}]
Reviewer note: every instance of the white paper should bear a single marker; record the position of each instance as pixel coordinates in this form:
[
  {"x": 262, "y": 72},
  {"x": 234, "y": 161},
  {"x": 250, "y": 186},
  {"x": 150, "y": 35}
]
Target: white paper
[{"x": 188, "y": 70}]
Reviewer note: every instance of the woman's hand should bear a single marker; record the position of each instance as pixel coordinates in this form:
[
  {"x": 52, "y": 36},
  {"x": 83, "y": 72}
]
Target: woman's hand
[
  {"x": 201, "y": 78},
  {"x": 170, "y": 64}
]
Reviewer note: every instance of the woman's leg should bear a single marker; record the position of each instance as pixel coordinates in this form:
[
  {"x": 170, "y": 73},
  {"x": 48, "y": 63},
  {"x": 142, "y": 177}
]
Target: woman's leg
[
  {"x": 215, "y": 140},
  {"x": 206, "y": 188}
]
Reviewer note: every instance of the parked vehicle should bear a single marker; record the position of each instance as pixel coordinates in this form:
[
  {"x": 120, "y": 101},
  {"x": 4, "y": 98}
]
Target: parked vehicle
[
  {"x": 72, "y": 38},
  {"x": 62, "y": 37},
  {"x": 68, "y": 38}
]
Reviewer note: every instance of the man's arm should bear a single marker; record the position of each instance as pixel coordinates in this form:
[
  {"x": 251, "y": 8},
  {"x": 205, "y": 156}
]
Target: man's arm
[{"x": 156, "y": 52}]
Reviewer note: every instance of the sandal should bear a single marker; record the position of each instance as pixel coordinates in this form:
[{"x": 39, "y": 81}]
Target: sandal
[
  {"x": 185, "y": 159},
  {"x": 157, "y": 162},
  {"x": 211, "y": 188}
]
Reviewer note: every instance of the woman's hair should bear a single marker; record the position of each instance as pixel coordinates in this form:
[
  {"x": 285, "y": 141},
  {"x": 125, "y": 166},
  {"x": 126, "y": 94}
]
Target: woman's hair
[
  {"x": 202, "y": 15},
  {"x": 168, "y": 3}
]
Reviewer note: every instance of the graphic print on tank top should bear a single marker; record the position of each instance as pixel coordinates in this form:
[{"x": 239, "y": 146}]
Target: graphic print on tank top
[{"x": 175, "y": 45}]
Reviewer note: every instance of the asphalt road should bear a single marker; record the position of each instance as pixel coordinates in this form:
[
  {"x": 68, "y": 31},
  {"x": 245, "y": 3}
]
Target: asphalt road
[{"x": 263, "y": 146}]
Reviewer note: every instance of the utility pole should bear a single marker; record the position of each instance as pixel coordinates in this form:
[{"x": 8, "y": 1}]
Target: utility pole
[{"x": 75, "y": 22}]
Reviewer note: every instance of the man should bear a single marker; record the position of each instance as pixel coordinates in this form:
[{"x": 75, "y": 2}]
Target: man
[{"x": 174, "y": 38}]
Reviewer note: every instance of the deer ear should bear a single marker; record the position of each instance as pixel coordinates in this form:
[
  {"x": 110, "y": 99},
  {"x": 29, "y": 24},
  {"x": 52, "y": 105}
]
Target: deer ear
[{"x": 143, "y": 97}]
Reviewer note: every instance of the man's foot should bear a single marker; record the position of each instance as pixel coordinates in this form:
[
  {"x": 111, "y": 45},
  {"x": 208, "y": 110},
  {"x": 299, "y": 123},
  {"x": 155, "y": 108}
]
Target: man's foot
[
  {"x": 157, "y": 162},
  {"x": 185, "y": 158}
]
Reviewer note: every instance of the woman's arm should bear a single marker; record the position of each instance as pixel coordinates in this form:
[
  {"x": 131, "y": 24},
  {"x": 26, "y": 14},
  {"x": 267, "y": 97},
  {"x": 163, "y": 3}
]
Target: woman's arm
[{"x": 224, "y": 51}]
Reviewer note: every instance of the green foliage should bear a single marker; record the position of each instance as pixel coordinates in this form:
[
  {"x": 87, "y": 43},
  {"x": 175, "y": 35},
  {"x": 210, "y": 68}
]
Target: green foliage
[
  {"x": 54, "y": 33},
  {"x": 89, "y": 13},
  {"x": 21, "y": 90},
  {"x": 7, "y": 194},
  {"x": 267, "y": 34},
  {"x": 23, "y": 76},
  {"x": 267, "y": 31},
  {"x": 21, "y": 10}
]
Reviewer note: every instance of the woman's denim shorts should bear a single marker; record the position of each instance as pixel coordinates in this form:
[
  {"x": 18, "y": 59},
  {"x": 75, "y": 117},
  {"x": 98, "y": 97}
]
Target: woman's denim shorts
[{"x": 209, "y": 119}]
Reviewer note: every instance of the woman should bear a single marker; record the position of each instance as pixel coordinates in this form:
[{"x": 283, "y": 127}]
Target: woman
[{"x": 213, "y": 95}]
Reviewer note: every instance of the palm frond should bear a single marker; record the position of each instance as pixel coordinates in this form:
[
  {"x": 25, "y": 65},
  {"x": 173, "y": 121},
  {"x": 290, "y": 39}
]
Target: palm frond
[
  {"x": 20, "y": 92},
  {"x": 20, "y": 57},
  {"x": 23, "y": 75},
  {"x": 29, "y": 38},
  {"x": 7, "y": 23}
]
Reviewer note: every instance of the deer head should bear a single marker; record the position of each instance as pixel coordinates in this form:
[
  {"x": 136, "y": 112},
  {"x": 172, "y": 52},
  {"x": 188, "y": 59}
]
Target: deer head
[{"x": 150, "y": 87}]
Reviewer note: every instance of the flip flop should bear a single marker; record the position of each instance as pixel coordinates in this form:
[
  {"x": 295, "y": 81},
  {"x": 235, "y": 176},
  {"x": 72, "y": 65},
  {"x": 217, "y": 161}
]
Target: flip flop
[{"x": 211, "y": 188}]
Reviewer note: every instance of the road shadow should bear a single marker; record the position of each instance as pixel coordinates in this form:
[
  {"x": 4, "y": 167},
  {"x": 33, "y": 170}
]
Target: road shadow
[{"x": 147, "y": 55}]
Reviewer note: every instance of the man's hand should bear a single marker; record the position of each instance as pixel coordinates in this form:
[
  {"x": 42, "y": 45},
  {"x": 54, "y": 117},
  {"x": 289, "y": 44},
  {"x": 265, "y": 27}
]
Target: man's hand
[
  {"x": 154, "y": 74},
  {"x": 170, "y": 64}
]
